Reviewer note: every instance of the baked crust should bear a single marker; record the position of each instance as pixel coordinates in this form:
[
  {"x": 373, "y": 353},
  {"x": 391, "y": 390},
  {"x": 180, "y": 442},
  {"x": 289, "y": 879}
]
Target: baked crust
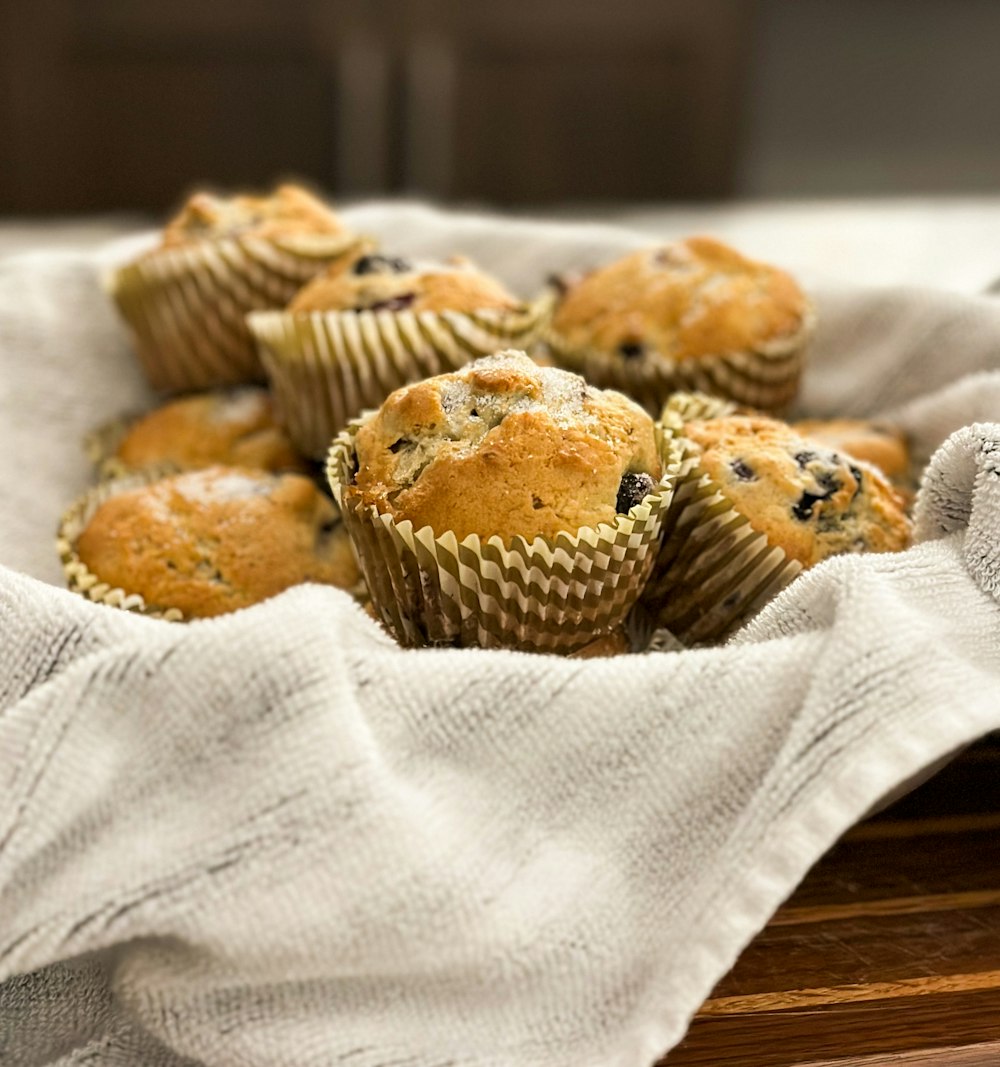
[
  {"x": 808, "y": 500},
  {"x": 211, "y": 541},
  {"x": 233, "y": 427},
  {"x": 290, "y": 209},
  {"x": 684, "y": 300},
  {"x": 874, "y": 442},
  {"x": 375, "y": 282},
  {"x": 505, "y": 447}
]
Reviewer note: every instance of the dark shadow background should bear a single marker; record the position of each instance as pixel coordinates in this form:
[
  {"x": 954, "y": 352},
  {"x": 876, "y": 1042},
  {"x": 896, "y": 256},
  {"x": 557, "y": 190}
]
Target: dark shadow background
[{"x": 110, "y": 105}]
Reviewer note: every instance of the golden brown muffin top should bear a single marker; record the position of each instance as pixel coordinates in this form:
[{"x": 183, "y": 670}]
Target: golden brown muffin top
[
  {"x": 506, "y": 447},
  {"x": 234, "y": 427},
  {"x": 874, "y": 442},
  {"x": 690, "y": 298},
  {"x": 809, "y": 500},
  {"x": 377, "y": 282},
  {"x": 214, "y": 540},
  {"x": 288, "y": 210}
]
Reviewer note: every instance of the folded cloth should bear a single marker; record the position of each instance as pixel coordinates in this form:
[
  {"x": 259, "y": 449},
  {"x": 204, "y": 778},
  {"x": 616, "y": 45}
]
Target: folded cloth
[{"x": 276, "y": 838}]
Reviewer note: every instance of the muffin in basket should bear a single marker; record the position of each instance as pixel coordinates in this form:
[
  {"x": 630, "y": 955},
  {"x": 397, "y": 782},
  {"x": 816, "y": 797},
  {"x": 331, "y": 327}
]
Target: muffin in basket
[
  {"x": 755, "y": 505},
  {"x": 692, "y": 314},
  {"x": 233, "y": 427},
  {"x": 504, "y": 504},
  {"x": 202, "y": 543},
  {"x": 185, "y": 301},
  {"x": 373, "y": 324}
]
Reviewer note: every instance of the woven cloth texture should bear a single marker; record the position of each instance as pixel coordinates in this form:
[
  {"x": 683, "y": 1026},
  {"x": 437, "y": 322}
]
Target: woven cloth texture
[{"x": 275, "y": 838}]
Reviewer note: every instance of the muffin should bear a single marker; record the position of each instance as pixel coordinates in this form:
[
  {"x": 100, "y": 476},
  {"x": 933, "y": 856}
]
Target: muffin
[
  {"x": 375, "y": 283},
  {"x": 755, "y": 505},
  {"x": 288, "y": 210},
  {"x": 504, "y": 505},
  {"x": 877, "y": 443},
  {"x": 202, "y": 543},
  {"x": 809, "y": 500},
  {"x": 692, "y": 314},
  {"x": 232, "y": 427},
  {"x": 506, "y": 448},
  {"x": 185, "y": 301},
  {"x": 373, "y": 324}
]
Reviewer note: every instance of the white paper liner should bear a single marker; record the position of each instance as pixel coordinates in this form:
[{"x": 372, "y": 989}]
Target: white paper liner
[
  {"x": 186, "y": 307},
  {"x": 714, "y": 570},
  {"x": 79, "y": 578},
  {"x": 326, "y": 367},
  {"x": 765, "y": 377},
  {"x": 545, "y": 595}
]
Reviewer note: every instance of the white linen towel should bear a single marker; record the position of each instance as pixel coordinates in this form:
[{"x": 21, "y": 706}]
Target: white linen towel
[{"x": 275, "y": 838}]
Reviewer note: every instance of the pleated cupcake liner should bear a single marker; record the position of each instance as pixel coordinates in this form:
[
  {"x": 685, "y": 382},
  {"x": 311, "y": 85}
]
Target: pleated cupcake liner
[
  {"x": 326, "y": 367},
  {"x": 765, "y": 377},
  {"x": 79, "y": 577},
  {"x": 714, "y": 571},
  {"x": 101, "y": 443},
  {"x": 546, "y": 595},
  {"x": 186, "y": 307}
]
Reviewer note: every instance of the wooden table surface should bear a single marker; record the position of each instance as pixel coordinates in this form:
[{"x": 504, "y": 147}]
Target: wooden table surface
[{"x": 887, "y": 954}]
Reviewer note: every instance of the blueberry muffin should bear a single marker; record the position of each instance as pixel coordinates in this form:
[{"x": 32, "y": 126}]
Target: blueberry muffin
[
  {"x": 689, "y": 314},
  {"x": 374, "y": 282},
  {"x": 809, "y": 500},
  {"x": 232, "y": 427},
  {"x": 185, "y": 301},
  {"x": 215, "y": 540},
  {"x": 877, "y": 443},
  {"x": 506, "y": 447},
  {"x": 288, "y": 210}
]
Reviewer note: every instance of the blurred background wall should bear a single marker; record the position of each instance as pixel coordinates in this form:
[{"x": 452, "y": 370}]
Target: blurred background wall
[{"x": 125, "y": 104}]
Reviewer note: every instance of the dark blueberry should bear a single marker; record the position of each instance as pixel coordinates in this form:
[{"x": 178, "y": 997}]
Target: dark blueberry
[
  {"x": 742, "y": 471},
  {"x": 394, "y": 303},
  {"x": 633, "y": 489},
  {"x": 401, "y": 443},
  {"x": 630, "y": 349},
  {"x": 857, "y": 476},
  {"x": 381, "y": 265},
  {"x": 536, "y": 503},
  {"x": 804, "y": 508},
  {"x": 803, "y": 459}
]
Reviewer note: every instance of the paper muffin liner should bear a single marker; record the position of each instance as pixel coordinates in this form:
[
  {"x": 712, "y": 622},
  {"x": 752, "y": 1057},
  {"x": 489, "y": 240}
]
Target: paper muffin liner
[
  {"x": 714, "y": 570},
  {"x": 326, "y": 367},
  {"x": 79, "y": 577},
  {"x": 547, "y": 595},
  {"x": 186, "y": 307},
  {"x": 765, "y": 377},
  {"x": 101, "y": 443}
]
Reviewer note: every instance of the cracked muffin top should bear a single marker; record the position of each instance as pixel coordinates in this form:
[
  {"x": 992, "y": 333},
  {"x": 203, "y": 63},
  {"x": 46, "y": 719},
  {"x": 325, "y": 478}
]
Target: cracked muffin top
[
  {"x": 506, "y": 447},
  {"x": 811, "y": 501},
  {"x": 233, "y": 427},
  {"x": 690, "y": 298},
  {"x": 375, "y": 282},
  {"x": 214, "y": 540},
  {"x": 288, "y": 210},
  {"x": 874, "y": 442}
]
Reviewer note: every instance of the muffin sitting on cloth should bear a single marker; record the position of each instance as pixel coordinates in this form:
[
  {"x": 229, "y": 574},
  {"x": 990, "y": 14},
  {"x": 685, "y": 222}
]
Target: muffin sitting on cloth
[
  {"x": 373, "y": 324},
  {"x": 186, "y": 300},
  {"x": 232, "y": 427},
  {"x": 756, "y": 504},
  {"x": 504, "y": 504},
  {"x": 202, "y": 543},
  {"x": 693, "y": 314}
]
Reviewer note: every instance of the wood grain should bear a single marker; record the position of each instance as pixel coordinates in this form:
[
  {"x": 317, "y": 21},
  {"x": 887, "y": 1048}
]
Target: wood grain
[{"x": 888, "y": 954}]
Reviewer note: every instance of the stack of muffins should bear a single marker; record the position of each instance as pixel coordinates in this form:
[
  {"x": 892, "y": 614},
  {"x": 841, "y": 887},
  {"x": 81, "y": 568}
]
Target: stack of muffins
[{"x": 570, "y": 474}]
